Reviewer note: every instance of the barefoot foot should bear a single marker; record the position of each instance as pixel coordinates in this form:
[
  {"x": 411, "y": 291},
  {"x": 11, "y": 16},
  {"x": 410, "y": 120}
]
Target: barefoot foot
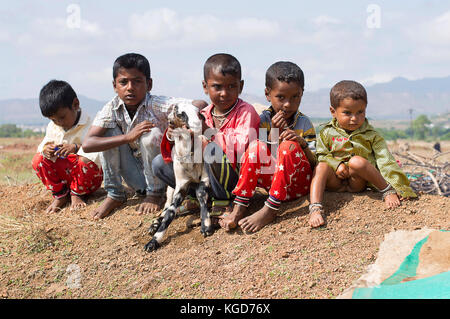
[
  {"x": 105, "y": 208},
  {"x": 77, "y": 202},
  {"x": 315, "y": 217},
  {"x": 151, "y": 204},
  {"x": 392, "y": 201},
  {"x": 229, "y": 221},
  {"x": 57, "y": 204},
  {"x": 258, "y": 220}
]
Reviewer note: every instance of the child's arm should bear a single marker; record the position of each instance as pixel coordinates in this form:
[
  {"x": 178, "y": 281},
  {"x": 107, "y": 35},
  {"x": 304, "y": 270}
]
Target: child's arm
[
  {"x": 389, "y": 168},
  {"x": 95, "y": 141}
]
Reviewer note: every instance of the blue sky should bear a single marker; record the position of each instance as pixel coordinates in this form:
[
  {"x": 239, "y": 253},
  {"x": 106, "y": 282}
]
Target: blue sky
[{"x": 78, "y": 41}]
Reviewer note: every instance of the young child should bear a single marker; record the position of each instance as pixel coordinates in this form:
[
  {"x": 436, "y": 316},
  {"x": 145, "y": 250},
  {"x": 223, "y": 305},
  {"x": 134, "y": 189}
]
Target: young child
[
  {"x": 232, "y": 124},
  {"x": 288, "y": 175},
  {"x": 127, "y": 132},
  {"x": 352, "y": 155},
  {"x": 61, "y": 164}
]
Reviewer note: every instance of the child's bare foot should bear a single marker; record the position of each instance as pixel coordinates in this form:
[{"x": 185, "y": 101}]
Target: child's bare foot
[
  {"x": 151, "y": 204},
  {"x": 77, "y": 202},
  {"x": 392, "y": 201},
  {"x": 315, "y": 216},
  {"x": 258, "y": 220},
  {"x": 57, "y": 204},
  {"x": 105, "y": 208},
  {"x": 228, "y": 221}
]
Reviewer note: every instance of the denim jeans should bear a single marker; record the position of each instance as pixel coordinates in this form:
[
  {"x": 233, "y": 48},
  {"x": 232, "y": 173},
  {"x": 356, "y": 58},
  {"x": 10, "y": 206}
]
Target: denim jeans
[
  {"x": 119, "y": 164},
  {"x": 222, "y": 177}
]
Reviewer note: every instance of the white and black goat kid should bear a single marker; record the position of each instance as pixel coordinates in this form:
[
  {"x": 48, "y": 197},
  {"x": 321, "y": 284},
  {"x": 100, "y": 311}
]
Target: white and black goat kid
[{"x": 185, "y": 119}]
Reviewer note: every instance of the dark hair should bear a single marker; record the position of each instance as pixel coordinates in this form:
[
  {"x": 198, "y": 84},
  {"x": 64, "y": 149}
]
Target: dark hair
[
  {"x": 285, "y": 72},
  {"x": 55, "y": 95},
  {"x": 345, "y": 89},
  {"x": 224, "y": 63},
  {"x": 132, "y": 61}
]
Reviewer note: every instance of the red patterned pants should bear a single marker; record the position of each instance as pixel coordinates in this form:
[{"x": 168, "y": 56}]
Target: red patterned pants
[
  {"x": 286, "y": 177},
  {"x": 68, "y": 174}
]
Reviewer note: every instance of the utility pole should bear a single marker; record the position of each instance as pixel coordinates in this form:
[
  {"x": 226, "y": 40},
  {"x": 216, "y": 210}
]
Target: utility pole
[{"x": 410, "y": 117}]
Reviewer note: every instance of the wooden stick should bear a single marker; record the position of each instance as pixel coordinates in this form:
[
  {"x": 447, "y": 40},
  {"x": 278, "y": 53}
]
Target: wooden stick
[{"x": 435, "y": 182}]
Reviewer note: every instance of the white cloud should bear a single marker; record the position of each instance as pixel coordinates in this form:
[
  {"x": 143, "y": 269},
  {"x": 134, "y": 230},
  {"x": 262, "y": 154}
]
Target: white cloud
[
  {"x": 378, "y": 78},
  {"x": 166, "y": 27},
  {"x": 60, "y": 28},
  {"x": 435, "y": 31},
  {"x": 323, "y": 20}
]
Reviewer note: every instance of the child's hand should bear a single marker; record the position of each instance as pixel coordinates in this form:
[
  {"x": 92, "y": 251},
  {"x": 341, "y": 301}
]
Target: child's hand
[
  {"x": 49, "y": 150},
  {"x": 290, "y": 135},
  {"x": 65, "y": 149},
  {"x": 278, "y": 121},
  {"x": 169, "y": 133},
  {"x": 342, "y": 171},
  {"x": 138, "y": 130}
]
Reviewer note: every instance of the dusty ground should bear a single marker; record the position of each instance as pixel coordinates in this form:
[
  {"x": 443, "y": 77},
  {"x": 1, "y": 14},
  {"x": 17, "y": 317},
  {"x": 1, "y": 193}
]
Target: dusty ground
[{"x": 68, "y": 255}]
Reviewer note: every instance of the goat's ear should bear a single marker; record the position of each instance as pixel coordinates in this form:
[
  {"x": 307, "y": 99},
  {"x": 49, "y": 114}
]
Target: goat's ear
[
  {"x": 201, "y": 116},
  {"x": 185, "y": 118}
]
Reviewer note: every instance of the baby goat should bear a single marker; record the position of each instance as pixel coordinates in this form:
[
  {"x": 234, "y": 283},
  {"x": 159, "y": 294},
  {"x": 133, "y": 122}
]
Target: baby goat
[{"x": 185, "y": 119}]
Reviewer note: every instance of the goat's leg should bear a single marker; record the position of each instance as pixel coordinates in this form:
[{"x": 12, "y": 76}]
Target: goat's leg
[
  {"x": 164, "y": 221},
  {"x": 202, "y": 195},
  {"x": 157, "y": 221}
]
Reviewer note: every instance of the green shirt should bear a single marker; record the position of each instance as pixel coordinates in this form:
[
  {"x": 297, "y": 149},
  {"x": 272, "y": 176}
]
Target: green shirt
[{"x": 335, "y": 145}]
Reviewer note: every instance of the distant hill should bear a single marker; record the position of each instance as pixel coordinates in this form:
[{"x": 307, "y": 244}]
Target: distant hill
[
  {"x": 391, "y": 100},
  {"x": 27, "y": 111}
]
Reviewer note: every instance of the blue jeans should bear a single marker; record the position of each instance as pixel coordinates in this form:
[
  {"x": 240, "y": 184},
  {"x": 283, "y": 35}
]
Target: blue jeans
[{"x": 119, "y": 164}]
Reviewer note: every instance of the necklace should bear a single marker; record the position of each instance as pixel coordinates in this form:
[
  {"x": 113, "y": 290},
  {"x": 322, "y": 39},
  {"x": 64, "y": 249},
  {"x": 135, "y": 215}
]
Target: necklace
[{"x": 222, "y": 117}]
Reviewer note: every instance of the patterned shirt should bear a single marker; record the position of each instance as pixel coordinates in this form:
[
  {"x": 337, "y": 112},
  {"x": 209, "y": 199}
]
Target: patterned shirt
[
  {"x": 57, "y": 135},
  {"x": 237, "y": 131},
  {"x": 335, "y": 146},
  {"x": 301, "y": 125},
  {"x": 153, "y": 108}
]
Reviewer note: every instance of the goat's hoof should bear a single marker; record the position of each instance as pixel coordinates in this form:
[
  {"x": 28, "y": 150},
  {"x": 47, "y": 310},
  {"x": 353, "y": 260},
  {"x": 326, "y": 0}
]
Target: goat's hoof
[
  {"x": 207, "y": 231},
  {"x": 152, "y": 245}
]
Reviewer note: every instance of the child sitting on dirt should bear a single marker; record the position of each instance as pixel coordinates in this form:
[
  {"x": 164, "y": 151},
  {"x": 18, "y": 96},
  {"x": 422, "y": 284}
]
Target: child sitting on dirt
[
  {"x": 352, "y": 155},
  {"x": 61, "y": 164},
  {"x": 288, "y": 175},
  {"x": 230, "y": 122},
  {"x": 127, "y": 132}
]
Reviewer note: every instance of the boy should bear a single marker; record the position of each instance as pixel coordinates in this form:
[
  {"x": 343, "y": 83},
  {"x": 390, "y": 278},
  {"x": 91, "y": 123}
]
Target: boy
[
  {"x": 230, "y": 122},
  {"x": 61, "y": 164},
  {"x": 127, "y": 132},
  {"x": 288, "y": 175},
  {"x": 352, "y": 155}
]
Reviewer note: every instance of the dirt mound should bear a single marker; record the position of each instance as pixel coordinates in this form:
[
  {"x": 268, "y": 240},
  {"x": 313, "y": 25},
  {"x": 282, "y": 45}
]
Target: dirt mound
[{"x": 68, "y": 255}]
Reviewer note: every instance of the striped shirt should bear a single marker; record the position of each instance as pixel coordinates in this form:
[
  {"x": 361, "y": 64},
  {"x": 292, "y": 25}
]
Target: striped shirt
[
  {"x": 301, "y": 125},
  {"x": 335, "y": 145}
]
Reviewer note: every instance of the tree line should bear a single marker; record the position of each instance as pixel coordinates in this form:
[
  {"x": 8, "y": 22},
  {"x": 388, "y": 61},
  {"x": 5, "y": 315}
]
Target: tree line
[
  {"x": 12, "y": 130},
  {"x": 420, "y": 129}
]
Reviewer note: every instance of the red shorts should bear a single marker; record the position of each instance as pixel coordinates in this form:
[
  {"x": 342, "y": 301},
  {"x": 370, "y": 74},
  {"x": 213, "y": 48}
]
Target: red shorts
[{"x": 68, "y": 174}]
